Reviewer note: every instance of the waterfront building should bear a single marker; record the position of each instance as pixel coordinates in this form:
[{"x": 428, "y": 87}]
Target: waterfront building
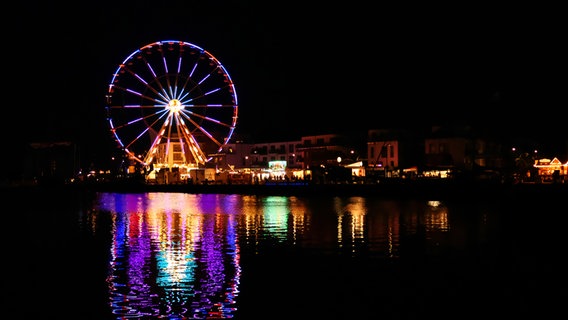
[{"x": 441, "y": 152}]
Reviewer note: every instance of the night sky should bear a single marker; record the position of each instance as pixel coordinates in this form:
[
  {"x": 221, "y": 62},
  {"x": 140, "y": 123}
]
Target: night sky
[{"x": 297, "y": 69}]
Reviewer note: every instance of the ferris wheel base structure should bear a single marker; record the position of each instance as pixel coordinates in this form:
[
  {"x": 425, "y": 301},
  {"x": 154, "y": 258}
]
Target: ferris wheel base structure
[{"x": 179, "y": 173}]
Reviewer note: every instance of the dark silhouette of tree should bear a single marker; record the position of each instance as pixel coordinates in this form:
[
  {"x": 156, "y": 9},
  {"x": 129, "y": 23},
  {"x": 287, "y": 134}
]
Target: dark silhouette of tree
[{"x": 524, "y": 165}]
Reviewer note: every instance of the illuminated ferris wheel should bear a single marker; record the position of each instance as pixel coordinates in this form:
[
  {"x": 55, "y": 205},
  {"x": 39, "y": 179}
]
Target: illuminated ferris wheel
[{"x": 171, "y": 104}]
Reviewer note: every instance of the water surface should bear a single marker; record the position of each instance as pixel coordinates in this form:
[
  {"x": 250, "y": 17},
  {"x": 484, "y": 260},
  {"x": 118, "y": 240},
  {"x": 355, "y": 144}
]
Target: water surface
[{"x": 184, "y": 256}]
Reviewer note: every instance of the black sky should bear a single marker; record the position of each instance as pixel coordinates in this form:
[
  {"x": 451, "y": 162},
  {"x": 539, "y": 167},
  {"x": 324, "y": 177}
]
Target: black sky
[{"x": 298, "y": 68}]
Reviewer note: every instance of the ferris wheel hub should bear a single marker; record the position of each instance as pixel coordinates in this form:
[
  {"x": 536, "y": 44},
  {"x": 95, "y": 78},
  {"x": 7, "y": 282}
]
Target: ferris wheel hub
[{"x": 175, "y": 105}]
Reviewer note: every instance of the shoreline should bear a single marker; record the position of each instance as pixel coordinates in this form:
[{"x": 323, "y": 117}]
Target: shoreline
[{"x": 397, "y": 189}]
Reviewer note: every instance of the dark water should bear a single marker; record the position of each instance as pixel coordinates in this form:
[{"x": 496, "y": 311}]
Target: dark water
[{"x": 79, "y": 255}]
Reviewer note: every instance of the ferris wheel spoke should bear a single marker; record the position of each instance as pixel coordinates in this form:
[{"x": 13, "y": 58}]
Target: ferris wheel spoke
[
  {"x": 187, "y": 84},
  {"x": 136, "y": 139},
  {"x": 133, "y": 141},
  {"x": 190, "y": 89},
  {"x": 186, "y": 100},
  {"x": 202, "y": 129},
  {"x": 177, "y": 78},
  {"x": 143, "y": 96},
  {"x": 167, "y": 77},
  {"x": 204, "y": 77},
  {"x": 220, "y": 105},
  {"x": 145, "y": 83},
  {"x": 138, "y": 106},
  {"x": 162, "y": 92},
  {"x": 203, "y": 56},
  {"x": 174, "y": 89},
  {"x": 160, "y": 115},
  {"x": 209, "y": 119}
]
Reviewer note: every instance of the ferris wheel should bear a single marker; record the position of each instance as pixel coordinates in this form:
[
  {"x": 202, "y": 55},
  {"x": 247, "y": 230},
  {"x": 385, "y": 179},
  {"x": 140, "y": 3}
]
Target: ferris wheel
[{"x": 171, "y": 104}]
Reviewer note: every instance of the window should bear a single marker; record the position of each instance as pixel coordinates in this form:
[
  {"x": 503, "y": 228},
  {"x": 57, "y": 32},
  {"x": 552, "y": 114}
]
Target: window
[
  {"x": 431, "y": 148},
  {"x": 384, "y": 152}
]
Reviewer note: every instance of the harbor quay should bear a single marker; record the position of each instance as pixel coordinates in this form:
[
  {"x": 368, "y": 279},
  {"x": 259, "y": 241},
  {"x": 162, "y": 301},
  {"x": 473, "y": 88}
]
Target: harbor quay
[{"x": 388, "y": 188}]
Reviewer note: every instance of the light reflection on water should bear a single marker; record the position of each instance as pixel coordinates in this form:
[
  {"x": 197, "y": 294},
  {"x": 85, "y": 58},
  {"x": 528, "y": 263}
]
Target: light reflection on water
[
  {"x": 172, "y": 254},
  {"x": 178, "y": 255}
]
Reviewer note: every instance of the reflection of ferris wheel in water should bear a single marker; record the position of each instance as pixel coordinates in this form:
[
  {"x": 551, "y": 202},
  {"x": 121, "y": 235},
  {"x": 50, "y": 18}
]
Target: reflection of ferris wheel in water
[{"x": 171, "y": 104}]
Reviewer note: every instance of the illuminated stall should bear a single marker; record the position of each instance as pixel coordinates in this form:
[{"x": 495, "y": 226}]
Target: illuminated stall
[{"x": 552, "y": 170}]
